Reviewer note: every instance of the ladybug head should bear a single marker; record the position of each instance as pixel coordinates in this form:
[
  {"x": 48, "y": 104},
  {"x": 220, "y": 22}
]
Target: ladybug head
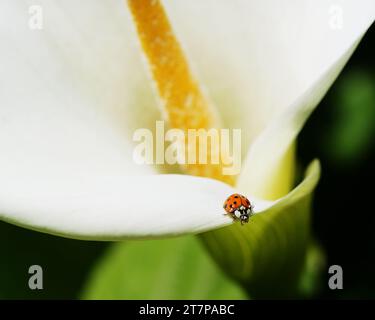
[{"x": 244, "y": 218}]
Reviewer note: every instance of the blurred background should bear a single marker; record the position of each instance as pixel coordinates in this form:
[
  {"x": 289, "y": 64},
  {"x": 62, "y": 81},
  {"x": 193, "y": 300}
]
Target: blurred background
[{"x": 340, "y": 133}]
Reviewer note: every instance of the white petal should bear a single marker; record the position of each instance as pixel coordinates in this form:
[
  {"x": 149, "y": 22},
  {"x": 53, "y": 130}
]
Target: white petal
[
  {"x": 117, "y": 207},
  {"x": 71, "y": 93},
  {"x": 64, "y": 115},
  {"x": 257, "y": 57},
  {"x": 266, "y": 153}
]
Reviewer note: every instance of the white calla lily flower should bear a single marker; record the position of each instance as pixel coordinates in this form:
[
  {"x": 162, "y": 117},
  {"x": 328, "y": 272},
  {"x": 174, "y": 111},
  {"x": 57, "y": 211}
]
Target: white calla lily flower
[{"x": 73, "y": 92}]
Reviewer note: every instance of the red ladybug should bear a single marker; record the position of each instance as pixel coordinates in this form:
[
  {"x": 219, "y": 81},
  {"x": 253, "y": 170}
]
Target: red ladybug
[{"x": 238, "y": 207}]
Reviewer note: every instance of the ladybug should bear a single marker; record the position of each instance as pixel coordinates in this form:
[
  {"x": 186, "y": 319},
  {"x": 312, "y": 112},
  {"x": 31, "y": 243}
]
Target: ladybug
[{"x": 238, "y": 207}]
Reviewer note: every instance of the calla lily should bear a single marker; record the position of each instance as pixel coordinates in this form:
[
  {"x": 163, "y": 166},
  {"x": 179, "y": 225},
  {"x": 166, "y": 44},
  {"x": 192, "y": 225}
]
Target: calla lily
[{"x": 73, "y": 92}]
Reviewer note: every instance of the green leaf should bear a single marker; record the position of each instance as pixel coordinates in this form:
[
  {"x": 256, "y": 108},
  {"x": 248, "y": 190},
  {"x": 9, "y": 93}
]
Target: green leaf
[
  {"x": 267, "y": 256},
  {"x": 160, "y": 269},
  {"x": 65, "y": 263},
  {"x": 312, "y": 280}
]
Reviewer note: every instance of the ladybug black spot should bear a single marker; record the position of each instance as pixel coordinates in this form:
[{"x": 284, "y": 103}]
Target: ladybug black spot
[
  {"x": 235, "y": 202},
  {"x": 236, "y": 197}
]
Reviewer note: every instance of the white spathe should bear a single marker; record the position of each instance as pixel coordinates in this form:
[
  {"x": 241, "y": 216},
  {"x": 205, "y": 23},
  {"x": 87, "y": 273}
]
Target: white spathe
[{"x": 72, "y": 93}]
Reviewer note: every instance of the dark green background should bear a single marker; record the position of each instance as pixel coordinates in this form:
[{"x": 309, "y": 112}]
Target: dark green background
[{"x": 341, "y": 134}]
